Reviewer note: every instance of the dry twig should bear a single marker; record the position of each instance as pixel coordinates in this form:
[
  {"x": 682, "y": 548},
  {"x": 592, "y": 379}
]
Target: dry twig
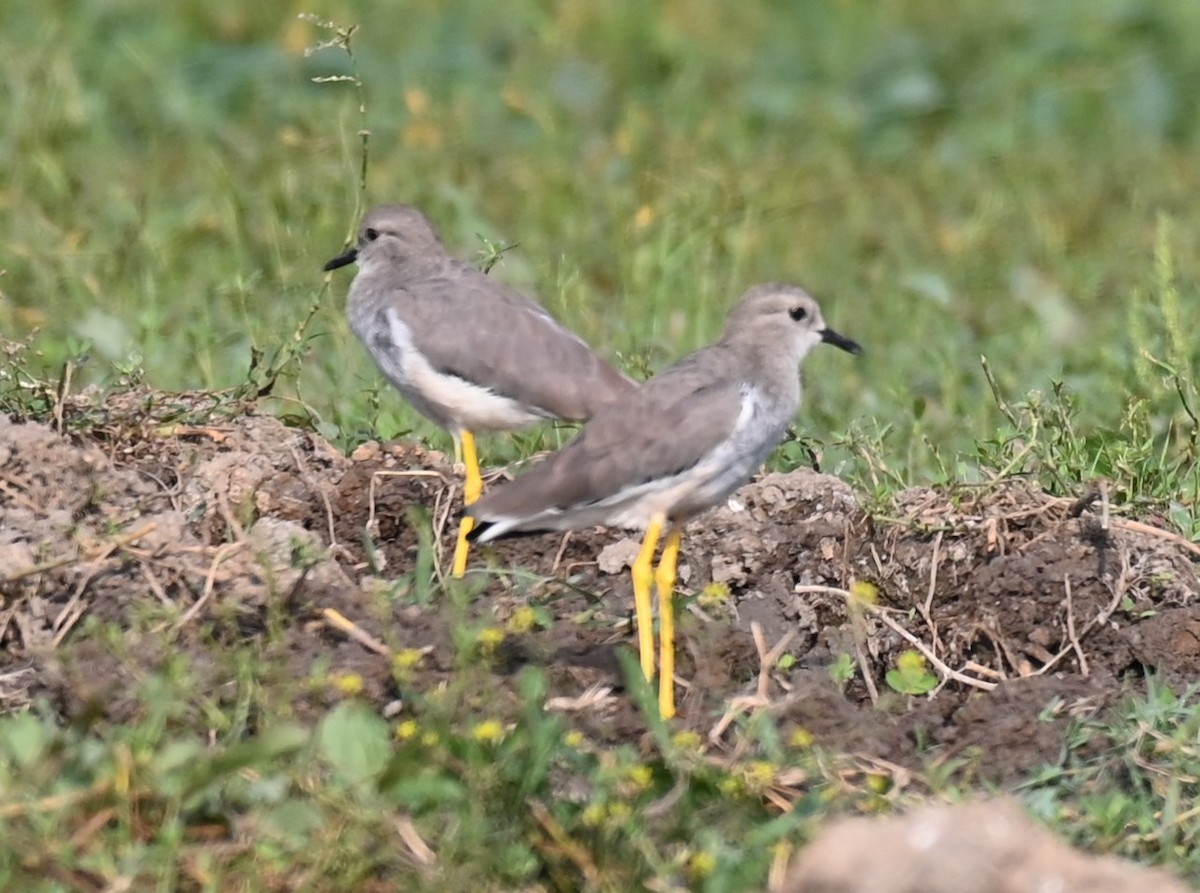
[
  {"x": 340, "y": 622},
  {"x": 1074, "y": 639},
  {"x": 760, "y": 698},
  {"x": 421, "y": 853},
  {"x": 108, "y": 548},
  {"x": 574, "y": 851},
  {"x": 210, "y": 582},
  {"x": 1118, "y": 592}
]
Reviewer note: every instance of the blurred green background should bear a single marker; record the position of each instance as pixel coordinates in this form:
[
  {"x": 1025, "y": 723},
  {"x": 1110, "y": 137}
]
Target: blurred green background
[{"x": 1012, "y": 179}]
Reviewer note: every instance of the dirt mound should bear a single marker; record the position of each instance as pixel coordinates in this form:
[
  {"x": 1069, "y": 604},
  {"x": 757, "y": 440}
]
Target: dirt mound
[
  {"x": 991, "y": 847},
  {"x": 1026, "y": 609}
]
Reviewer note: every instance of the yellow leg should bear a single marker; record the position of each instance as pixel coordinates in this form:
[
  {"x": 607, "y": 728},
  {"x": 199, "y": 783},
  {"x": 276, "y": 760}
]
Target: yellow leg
[
  {"x": 473, "y": 485},
  {"x": 472, "y": 489},
  {"x": 664, "y": 579},
  {"x": 643, "y": 578}
]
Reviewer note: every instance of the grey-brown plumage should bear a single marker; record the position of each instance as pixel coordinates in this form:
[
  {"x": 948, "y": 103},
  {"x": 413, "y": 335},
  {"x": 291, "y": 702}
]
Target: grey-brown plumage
[
  {"x": 469, "y": 352},
  {"x": 682, "y": 442}
]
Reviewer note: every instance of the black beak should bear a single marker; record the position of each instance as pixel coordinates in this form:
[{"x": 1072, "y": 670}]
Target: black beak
[
  {"x": 829, "y": 336},
  {"x": 349, "y": 256}
]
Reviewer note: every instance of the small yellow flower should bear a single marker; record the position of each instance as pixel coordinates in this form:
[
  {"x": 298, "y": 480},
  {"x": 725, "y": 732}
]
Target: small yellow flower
[
  {"x": 348, "y": 683},
  {"x": 878, "y": 783},
  {"x": 911, "y": 661},
  {"x": 714, "y": 595},
  {"x": 619, "y": 813},
  {"x": 408, "y": 658},
  {"x": 686, "y": 740},
  {"x": 801, "y": 737},
  {"x": 404, "y": 662},
  {"x": 490, "y": 731},
  {"x": 641, "y": 777},
  {"x": 489, "y": 639},
  {"x": 430, "y": 739},
  {"x": 760, "y": 773},
  {"x": 574, "y": 738},
  {"x": 702, "y": 864},
  {"x": 730, "y": 786},
  {"x": 862, "y": 591},
  {"x": 522, "y": 620},
  {"x": 593, "y": 815},
  {"x": 407, "y": 730},
  {"x": 644, "y": 217}
]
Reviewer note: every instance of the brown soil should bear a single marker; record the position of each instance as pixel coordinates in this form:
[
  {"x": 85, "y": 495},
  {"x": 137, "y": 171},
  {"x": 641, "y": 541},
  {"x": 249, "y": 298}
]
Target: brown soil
[{"x": 1031, "y": 609}]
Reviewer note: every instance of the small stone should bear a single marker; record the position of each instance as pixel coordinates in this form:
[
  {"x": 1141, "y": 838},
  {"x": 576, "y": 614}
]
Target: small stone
[
  {"x": 366, "y": 452},
  {"x": 617, "y": 557}
]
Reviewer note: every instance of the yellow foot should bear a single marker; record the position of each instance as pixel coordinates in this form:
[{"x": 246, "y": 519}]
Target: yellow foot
[
  {"x": 472, "y": 490},
  {"x": 664, "y": 579},
  {"x": 462, "y": 548},
  {"x": 643, "y": 579}
]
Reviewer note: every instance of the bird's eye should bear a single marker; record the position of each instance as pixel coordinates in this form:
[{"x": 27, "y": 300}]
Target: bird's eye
[
  {"x": 797, "y": 313},
  {"x": 372, "y": 234}
]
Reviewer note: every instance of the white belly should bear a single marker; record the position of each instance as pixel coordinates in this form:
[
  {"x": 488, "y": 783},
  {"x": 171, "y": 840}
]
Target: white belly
[{"x": 452, "y": 402}]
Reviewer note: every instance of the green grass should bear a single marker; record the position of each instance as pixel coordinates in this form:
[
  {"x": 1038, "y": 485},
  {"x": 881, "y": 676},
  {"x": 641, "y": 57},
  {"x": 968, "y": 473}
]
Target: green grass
[
  {"x": 508, "y": 802},
  {"x": 1015, "y": 181},
  {"x": 998, "y": 180}
]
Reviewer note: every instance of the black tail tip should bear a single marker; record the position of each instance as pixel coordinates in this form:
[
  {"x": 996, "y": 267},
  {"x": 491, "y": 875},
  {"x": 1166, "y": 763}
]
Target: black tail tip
[{"x": 480, "y": 528}]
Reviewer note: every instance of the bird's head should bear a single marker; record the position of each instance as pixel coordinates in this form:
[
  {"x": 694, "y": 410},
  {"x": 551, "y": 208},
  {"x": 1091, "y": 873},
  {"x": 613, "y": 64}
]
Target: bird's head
[
  {"x": 783, "y": 318},
  {"x": 397, "y": 233}
]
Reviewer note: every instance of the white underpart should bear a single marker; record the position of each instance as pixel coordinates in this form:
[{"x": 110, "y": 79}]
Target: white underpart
[
  {"x": 725, "y": 468},
  {"x": 447, "y": 399}
]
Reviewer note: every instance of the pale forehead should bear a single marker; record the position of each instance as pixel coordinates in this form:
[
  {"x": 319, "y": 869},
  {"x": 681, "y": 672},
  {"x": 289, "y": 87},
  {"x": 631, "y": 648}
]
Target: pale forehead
[
  {"x": 775, "y": 298},
  {"x": 396, "y": 217}
]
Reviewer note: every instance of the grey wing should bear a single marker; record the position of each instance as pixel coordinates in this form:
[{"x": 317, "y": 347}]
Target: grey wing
[
  {"x": 668, "y": 426},
  {"x": 511, "y": 345}
]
